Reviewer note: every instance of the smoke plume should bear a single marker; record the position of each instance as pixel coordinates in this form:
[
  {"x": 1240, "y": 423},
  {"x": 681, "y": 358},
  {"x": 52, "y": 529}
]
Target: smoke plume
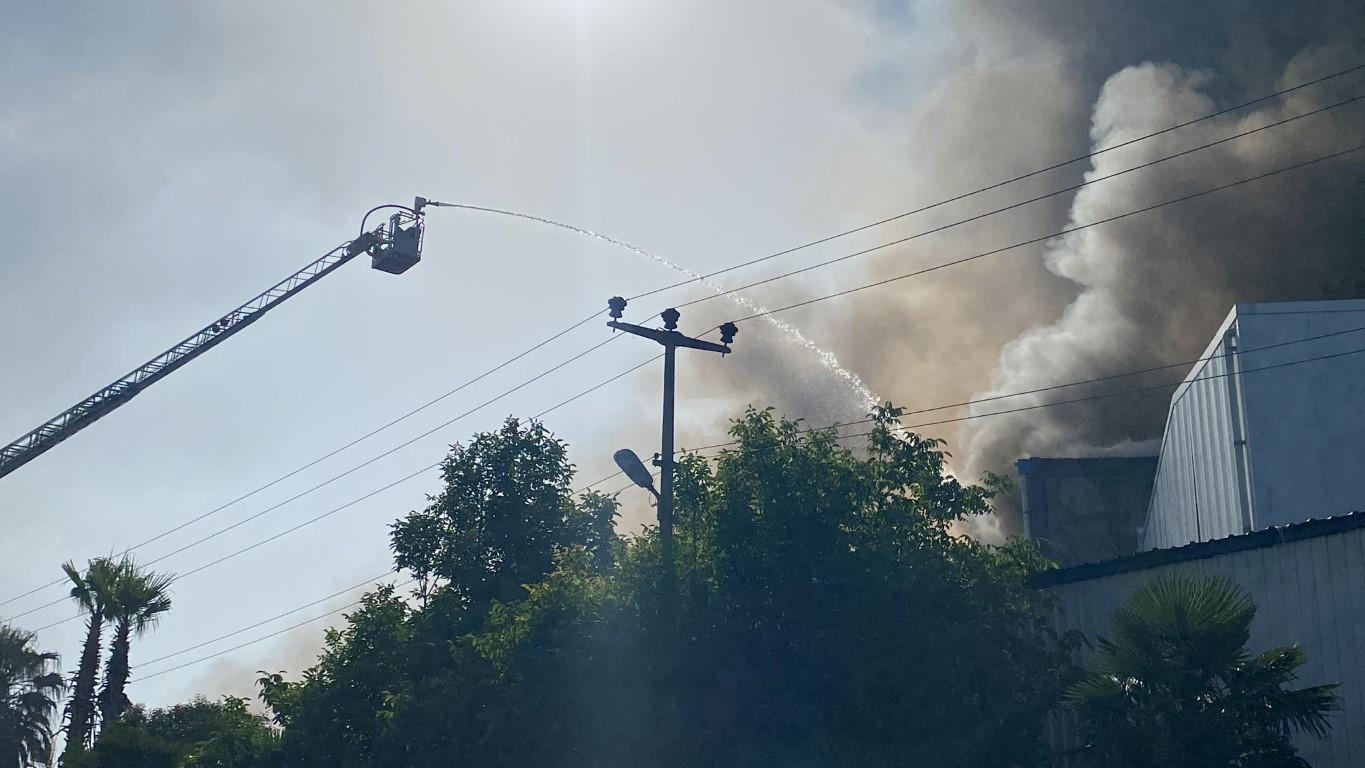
[
  {"x": 974, "y": 92},
  {"x": 1153, "y": 289}
]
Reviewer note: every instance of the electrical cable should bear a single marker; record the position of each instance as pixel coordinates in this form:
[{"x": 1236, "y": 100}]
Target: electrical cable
[
  {"x": 334, "y": 510},
  {"x": 580, "y": 323},
  {"x": 1006, "y": 182},
  {"x": 1034, "y": 406},
  {"x": 954, "y": 224},
  {"x": 290, "y": 612},
  {"x": 1042, "y": 239},
  {"x": 765, "y": 258},
  {"x": 330, "y": 454},
  {"x": 1103, "y": 395},
  {"x": 262, "y": 638},
  {"x": 1067, "y": 230},
  {"x": 263, "y": 622},
  {"x": 1082, "y": 382},
  {"x": 1283, "y": 364}
]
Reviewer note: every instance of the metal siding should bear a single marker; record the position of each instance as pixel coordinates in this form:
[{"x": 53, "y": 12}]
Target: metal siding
[
  {"x": 1197, "y": 473},
  {"x": 1305, "y": 422},
  {"x": 1307, "y": 592},
  {"x": 1305, "y": 427},
  {"x": 1331, "y": 563},
  {"x": 1353, "y": 637}
]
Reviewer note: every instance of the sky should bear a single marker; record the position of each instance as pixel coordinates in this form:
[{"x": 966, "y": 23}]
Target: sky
[{"x": 163, "y": 162}]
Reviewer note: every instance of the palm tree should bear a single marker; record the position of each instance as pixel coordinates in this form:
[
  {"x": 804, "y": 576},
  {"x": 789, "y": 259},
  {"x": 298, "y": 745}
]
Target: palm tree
[
  {"x": 30, "y": 687},
  {"x": 137, "y": 600},
  {"x": 1177, "y": 686},
  {"x": 91, "y": 591}
]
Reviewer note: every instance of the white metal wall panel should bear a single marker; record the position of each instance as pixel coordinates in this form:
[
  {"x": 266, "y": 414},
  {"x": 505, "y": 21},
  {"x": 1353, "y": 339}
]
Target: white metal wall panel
[
  {"x": 1306, "y": 419},
  {"x": 1196, "y": 496},
  {"x": 1304, "y": 413},
  {"x": 1310, "y": 592}
]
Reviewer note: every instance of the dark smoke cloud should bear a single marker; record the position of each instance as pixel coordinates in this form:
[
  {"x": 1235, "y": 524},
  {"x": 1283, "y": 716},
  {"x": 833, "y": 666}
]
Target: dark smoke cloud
[
  {"x": 1153, "y": 289},
  {"x": 972, "y": 92}
]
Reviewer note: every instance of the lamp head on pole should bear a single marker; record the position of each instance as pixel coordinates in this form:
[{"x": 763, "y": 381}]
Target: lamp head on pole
[
  {"x": 634, "y": 468},
  {"x": 727, "y": 333},
  {"x": 670, "y": 317},
  {"x": 616, "y": 306}
]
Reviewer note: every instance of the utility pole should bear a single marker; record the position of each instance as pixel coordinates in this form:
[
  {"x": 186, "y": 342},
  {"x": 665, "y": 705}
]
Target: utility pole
[{"x": 670, "y": 338}]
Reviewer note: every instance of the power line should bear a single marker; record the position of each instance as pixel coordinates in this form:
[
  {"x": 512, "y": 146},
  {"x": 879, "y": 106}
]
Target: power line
[
  {"x": 1135, "y": 390},
  {"x": 1173, "y": 201},
  {"x": 839, "y": 437},
  {"x": 262, "y": 638},
  {"x": 1045, "y": 238},
  {"x": 332, "y": 511},
  {"x": 330, "y": 480},
  {"x": 263, "y": 622},
  {"x": 290, "y": 612},
  {"x": 1081, "y": 382},
  {"x": 1022, "y": 203},
  {"x": 1075, "y": 228},
  {"x": 1020, "y": 409},
  {"x": 332, "y": 453},
  {"x": 1006, "y": 182},
  {"x": 1037, "y": 406},
  {"x": 1103, "y": 395},
  {"x": 589, "y": 318},
  {"x": 969, "y": 417}
]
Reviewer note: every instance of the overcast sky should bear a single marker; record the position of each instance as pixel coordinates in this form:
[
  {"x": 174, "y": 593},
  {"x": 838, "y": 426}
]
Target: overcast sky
[{"x": 162, "y": 162}]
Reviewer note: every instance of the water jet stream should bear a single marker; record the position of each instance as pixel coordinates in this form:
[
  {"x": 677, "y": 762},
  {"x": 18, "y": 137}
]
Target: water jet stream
[{"x": 827, "y": 359}]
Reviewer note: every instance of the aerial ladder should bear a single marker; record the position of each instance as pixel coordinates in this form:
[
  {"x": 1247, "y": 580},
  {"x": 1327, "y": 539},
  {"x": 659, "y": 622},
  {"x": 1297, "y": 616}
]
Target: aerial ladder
[{"x": 394, "y": 248}]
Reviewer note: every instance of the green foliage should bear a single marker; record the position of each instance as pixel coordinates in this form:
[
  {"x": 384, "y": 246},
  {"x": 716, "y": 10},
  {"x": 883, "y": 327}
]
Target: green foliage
[
  {"x": 92, "y": 592},
  {"x": 136, "y": 601},
  {"x": 1175, "y": 685},
  {"x": 199, "y": 734},
  {"x": 29, "y": 691},
  {"x": 828, "y": 614},
  {"x": 336, "y": 715},
  {"x": 505, "y": 510},
  {"x": 126, "y": 745}
]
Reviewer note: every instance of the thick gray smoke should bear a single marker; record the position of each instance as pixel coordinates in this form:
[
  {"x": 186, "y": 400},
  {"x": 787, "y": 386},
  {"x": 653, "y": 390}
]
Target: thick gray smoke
[
  {"x": 1153, "y": 289},
  {"x": 980, "y": 91}
]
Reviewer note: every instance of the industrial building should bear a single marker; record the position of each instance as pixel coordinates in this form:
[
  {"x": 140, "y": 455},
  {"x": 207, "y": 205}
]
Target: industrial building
[
  {"x": 1269, "y": 430},
  {"x": 1259, "y": 479},
  {"x": 1308, "y": 582}
]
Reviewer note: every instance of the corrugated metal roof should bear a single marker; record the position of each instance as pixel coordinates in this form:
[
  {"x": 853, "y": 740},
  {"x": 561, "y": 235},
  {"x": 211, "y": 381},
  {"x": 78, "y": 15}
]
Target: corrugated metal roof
[{"x": 1200, "y": 550}]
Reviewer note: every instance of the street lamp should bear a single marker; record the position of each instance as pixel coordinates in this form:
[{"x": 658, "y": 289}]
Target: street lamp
[{"x": 635, "y": 469}]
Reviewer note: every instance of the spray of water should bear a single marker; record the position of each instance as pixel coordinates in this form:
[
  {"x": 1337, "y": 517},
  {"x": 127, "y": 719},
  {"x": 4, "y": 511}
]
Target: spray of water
[{"x": 868, "y": 398}]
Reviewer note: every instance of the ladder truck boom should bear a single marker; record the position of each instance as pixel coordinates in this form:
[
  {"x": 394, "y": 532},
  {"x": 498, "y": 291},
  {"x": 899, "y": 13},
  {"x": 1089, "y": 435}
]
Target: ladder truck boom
[{"x": 393, "y": 248}]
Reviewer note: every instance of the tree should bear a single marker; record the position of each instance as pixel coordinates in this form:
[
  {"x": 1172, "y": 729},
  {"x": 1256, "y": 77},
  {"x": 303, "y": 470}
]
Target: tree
[
  {"x": 1176, "y": 685},
  {"x": 197, "y": 734},
  {"x": 91, "y": 591},
  {"x": 30, "y": 688},
  {"x": 505, "y": 510},
  {"x": 137, "y": 599},
  {"x": 829, "y": 614}
]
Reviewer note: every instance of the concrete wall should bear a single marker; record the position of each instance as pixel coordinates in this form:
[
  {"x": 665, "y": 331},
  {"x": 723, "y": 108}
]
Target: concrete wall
[
  {"x": 1269, "y": 436},
  {"x": 1308, "y": 583}
]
